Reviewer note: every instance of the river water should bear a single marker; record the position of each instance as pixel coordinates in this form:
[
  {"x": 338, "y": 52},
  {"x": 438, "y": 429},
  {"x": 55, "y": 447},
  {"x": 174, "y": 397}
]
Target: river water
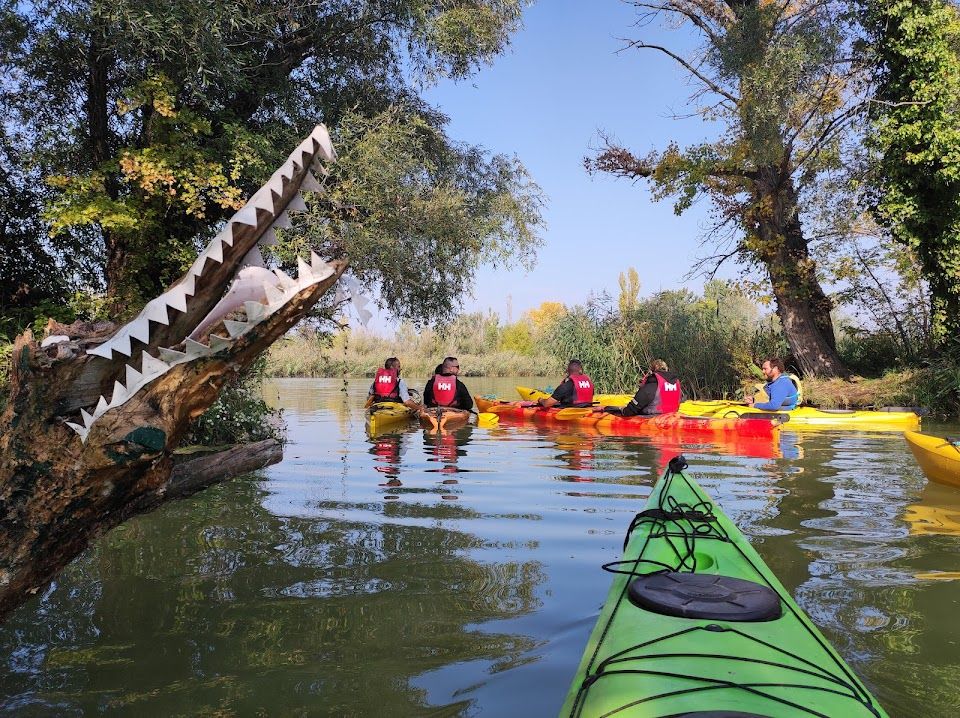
[{"x": 407, "y": 575}]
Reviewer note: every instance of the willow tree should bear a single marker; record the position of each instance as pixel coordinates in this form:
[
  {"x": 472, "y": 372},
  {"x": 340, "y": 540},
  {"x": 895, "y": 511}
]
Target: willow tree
[
  {"x": 775, "y": 76},
  {"x": 916, "y": 188}
]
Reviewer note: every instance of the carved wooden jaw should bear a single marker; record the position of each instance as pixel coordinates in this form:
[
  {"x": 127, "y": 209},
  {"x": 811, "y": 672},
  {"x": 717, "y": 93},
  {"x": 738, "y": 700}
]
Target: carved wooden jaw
[{"x": 226, "y": 304}]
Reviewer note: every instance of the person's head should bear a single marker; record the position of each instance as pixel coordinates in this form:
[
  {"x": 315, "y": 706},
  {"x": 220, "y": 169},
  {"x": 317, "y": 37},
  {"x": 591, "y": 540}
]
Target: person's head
[
  {"x": 772, "y": 368},
  {"x": 392, "y": 363},
  {"x": 658, "y": 365},
  {"x": 574, "y": 366},
  {"x": 450, "y": 366}
]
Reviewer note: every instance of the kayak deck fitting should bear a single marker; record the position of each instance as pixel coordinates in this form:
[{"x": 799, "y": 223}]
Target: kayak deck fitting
[{"x": 695, "y": 624}]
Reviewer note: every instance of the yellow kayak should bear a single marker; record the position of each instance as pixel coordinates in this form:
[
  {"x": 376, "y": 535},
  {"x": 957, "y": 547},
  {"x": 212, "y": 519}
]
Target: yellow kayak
[
  {"x": 803, "y": 417},
  {"x": 387, "y": 413},
  {"x": 939, "y": 458}
]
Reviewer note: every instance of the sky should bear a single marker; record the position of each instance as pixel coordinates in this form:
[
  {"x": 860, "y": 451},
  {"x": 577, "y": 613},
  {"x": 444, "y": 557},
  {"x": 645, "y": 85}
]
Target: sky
[{"x": 561, "y": 81}]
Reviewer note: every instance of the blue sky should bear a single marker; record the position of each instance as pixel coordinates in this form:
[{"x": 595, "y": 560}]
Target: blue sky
[{"x": 544, "y": 101}]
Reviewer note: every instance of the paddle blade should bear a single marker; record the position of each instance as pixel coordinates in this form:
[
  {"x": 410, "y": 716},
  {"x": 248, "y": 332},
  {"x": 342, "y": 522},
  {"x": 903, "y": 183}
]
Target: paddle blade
[
  {"x": 573, "y": 413},
  {"x": 486, "y": 420}
]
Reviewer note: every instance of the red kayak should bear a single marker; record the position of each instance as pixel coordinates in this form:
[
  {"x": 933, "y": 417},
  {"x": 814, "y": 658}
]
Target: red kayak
[{"x": 764, "y": 426}]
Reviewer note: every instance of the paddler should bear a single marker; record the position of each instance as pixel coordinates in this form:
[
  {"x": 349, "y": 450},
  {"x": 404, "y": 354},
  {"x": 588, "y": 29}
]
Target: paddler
[
  {"x": 659, "y": 393},
  {"x": 782, "y": 392},
  {"x": 388, "y": 386},
  {"x": 445, "y": 390},
  {"x": 576, "y": 389}
]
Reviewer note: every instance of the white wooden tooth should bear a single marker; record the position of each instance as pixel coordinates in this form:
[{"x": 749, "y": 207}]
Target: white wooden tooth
[
  {"x": 304, "y": 270},
  {"x": 339, "y": 296},
  {"x": 263, "y": 199},
  {"x": 246, "y": 215},
  {"x": 121, "y": 342},
  {"x": 268, "y": 239},
  {"x": 282, "y": 221},
  {"x": 235, "y": 329},
  {"x": 196, "y": 269},
  {"x": 139, "y": 328},
  {"x": 225, "y": 235},
  {"x": 297, "y": 204},
  {"x": 102, "y": 406},
  {"x": 189, "y": 284},
  {"x": 322, "y": 137},
  {"x": 152, "y": 367},
  {"x": 103, "y": 350},
  {"x": 177, "y": 298},
  {"x": 253, "y": 258},
  {"x": 274, "y": 295},
  {"x": 319, "y": 168},
  {"x": 275, "y": 184},
  {"x": 218, "y": 343},
  {"x": 119, "y": 394},
  {"x": 87, "y": 418},
  {"x": 79, "y": 429},
  {"x": 364, "y": 316},
  {"x": 310, "y": 183},
  {"x": 284, "y": 279},
  {"x": 215, "y": 250},
  {"x": 360, "y": 301},
  {"x": 171, "y": 356},
  {"x": 156, "y": 309},
  {"x": 287, "y": 170},
  {"x": 195, "y": 349},
  {"x": 133, "y": 377},
  {"x": 255, "y": 311}
]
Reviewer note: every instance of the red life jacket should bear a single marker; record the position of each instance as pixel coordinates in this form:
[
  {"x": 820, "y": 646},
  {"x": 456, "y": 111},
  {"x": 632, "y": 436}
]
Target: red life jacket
[
  {"x": 667, "y": 400},
  {"x": 582, "y": 389},
  {"x": 444, "y": 389},
  {"x": 386, "y": 384}
]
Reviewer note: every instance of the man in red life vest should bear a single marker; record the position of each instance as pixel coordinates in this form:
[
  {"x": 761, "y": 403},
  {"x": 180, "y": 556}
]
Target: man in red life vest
[
  {"x": 659, "y": 393},
  {"x": 388, "y": 386},
  {"x": 444, "y": 389},
  {"x": 575, "y": 390}
]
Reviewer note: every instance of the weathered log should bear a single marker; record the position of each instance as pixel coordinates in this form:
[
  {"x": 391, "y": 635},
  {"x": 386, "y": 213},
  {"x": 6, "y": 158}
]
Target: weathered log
[{"x": 88, "y": 435}]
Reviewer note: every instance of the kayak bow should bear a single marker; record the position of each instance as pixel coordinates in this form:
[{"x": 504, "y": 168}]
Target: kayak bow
[{"x": 695, "y": 624}]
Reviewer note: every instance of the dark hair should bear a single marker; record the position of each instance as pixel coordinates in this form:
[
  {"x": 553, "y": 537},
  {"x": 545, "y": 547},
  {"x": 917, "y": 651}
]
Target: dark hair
[
  {"x": 575, "y": 362},
  {"x": 658, "y": 365},
  {"x": 776, "y": 362},
  {"x": 390, "y": 363},
  {"x": 439, "y": 369}
]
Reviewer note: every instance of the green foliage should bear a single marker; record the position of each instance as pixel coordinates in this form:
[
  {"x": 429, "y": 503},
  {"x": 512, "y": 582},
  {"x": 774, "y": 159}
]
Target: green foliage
[
  {"x": 629, "y": 290},
  {"x": 239, "y": 415},
  {"x": 917, "y": 138},
  {"x": 149, "y": 120},
  {"x": 518, "y": 338},
  {"x": 711, "y": 341},
  {"x": 417, "y": 213}
]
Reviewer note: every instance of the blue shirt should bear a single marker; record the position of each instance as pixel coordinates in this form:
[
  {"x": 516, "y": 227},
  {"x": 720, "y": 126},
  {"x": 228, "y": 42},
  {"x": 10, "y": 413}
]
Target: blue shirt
[{"x": 781, "y": 393}]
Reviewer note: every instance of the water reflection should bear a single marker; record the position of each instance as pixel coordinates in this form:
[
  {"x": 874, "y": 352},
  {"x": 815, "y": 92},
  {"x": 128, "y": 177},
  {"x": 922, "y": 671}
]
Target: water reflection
[{"x": 308, "y": 590}]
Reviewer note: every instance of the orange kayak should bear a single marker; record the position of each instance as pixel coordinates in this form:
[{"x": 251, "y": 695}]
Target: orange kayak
[{"x": 766, "y": 427}]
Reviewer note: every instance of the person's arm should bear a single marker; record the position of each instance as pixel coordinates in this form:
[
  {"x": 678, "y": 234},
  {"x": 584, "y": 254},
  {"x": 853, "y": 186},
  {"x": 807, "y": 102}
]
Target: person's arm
[
  {"x": 562, "y": 394},
  {"x": 644, "y": 396},
  {"x": 777, "y": 394},
  {"x": 464, "y": 400},
  {"x": 405, "y": 395}
]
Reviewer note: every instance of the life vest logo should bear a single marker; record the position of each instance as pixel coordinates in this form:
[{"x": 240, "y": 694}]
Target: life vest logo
[
  {"x": 385, "y": 380},
  {"x": 669, "y": 387},
  {"x": 583, "y": 384},
  {"x": 444, "y": 386}
]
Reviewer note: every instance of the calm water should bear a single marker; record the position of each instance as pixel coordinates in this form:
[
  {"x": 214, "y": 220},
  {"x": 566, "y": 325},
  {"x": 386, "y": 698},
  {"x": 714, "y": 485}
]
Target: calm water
[{"x": 404, "y": 575}]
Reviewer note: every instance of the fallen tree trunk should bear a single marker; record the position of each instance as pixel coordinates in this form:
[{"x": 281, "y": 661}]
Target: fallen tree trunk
[{"x": 94, "y": 415}]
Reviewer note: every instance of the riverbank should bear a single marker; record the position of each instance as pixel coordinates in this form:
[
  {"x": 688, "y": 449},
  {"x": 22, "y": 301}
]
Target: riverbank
[{"x": 362, "y": 357}]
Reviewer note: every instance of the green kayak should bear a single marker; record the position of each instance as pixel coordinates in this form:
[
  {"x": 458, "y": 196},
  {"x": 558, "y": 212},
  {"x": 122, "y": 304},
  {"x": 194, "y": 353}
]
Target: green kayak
[{"x": 697, "y": 625}]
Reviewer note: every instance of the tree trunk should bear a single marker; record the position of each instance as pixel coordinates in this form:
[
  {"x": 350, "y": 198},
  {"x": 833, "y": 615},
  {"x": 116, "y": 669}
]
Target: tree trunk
[
  {"x": 88, "y": 435},
  {"x": 802, "y": 306}
]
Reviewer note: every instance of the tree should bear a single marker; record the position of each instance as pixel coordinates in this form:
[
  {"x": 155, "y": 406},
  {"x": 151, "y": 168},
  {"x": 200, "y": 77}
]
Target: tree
[
  {"x": 629, "y": 290},
  {"x": 777, "y": 75},
  {"x": 96, "y": 411},
  {"x": 916, "y": 136},
  {"x": 151, "y": 120}
]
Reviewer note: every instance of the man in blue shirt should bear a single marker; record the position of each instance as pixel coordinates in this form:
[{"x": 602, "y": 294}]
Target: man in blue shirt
[{"x": 781, "y": 391}]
